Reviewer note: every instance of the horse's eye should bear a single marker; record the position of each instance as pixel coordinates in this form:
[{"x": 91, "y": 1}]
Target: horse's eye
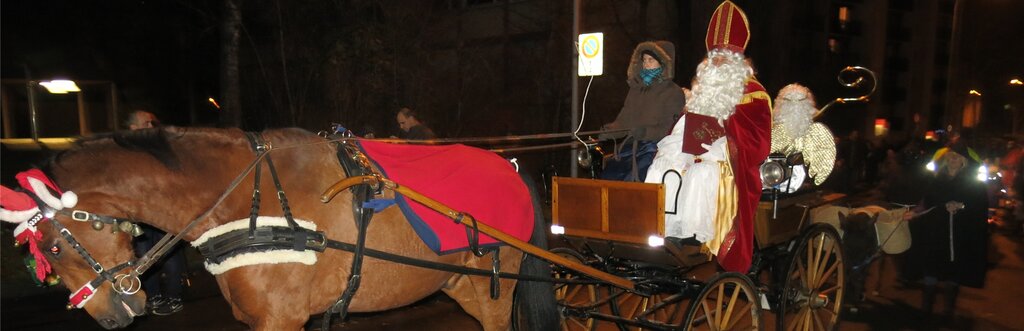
[{"x": 55, "y": 250}]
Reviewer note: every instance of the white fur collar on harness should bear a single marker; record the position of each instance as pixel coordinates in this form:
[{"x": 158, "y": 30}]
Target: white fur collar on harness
[{"x": 307, "y": 257}]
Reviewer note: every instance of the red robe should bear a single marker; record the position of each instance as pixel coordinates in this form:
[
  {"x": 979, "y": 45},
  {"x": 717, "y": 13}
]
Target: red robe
[{"x": 749, "y": 133}]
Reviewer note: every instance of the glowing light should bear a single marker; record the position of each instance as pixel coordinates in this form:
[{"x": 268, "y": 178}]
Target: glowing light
[
  {"x": 930, "y": 166},
  {"x": 974, "y": 92},
  {"x": 557, "y": 229},
  {"x": 1016, "y": 81},
  {"x": 881, "y": 126},
  {"x": 655, "y": 241},
  {"x": 983, "y": 173},
  {"x": 60, "y": 86},
  {"x": 214, "y": 102}
]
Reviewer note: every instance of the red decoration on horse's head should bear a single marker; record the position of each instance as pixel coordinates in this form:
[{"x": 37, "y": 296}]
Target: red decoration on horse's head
[
  {"x": 19, "y": 208},
  {"x": 728, "y": 28}
]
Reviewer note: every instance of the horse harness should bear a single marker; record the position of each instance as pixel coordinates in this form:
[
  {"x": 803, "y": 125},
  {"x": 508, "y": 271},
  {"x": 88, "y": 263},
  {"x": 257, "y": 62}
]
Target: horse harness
[
  {"x": 121, "y": 283},
  {"x": 254, "y": 239}
]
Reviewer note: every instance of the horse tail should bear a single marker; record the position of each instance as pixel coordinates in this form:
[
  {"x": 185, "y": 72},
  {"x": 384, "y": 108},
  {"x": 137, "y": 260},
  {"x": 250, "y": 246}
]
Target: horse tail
[{"x": 534, "y": 306}]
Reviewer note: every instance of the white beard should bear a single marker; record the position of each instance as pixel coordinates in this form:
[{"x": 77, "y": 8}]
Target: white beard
[
  {"x": 719, "y": 88},
  {"x": 795, "y": 116}
]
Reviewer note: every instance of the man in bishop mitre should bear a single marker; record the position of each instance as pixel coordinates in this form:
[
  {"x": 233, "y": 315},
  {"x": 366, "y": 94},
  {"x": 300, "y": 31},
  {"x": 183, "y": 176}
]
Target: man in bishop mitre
[{"x": 717, "y": 147}]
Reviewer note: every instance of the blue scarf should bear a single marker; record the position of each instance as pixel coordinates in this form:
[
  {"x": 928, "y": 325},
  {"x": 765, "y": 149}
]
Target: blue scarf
[{"x": 648, "y": 75}]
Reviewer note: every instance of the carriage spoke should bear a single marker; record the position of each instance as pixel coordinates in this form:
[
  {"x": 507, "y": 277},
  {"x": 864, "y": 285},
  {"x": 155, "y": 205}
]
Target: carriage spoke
[
  {"x": 635, "y": 306},
  {"x": 817, "y": 321},
  {"x": 831, "y": 289},
  {"x": 708, "y": 313},
  {"x": 807, "y": 318},
  {"x": 732, "y": 304},
  {"x": 808, "y": 277},
  {"x": 718, "y": 304},
  {"x": 574, "y": 292},
  {"x": 739, "y": 317},
  {"x": 825, "y": 277},
  {"x": 817, "y": 245},
  {"x": 823, "y": 262}
]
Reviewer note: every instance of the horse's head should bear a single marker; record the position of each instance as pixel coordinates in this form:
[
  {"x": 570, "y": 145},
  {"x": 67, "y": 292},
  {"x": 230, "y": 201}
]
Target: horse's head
[
  {"x": 90, "y": 261},
  {"x": 90, "y": 288}
]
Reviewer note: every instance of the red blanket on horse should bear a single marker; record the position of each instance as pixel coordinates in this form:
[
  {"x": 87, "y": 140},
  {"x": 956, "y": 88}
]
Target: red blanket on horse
[{"x": 467, "y": 179}]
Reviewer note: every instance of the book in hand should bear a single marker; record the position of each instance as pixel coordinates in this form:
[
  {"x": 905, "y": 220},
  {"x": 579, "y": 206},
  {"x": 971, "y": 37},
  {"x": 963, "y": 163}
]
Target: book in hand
[{"x": 700, "y": 129}]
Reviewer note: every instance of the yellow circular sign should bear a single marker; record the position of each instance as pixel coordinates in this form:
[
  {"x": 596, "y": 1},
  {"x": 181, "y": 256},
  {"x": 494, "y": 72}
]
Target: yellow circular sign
[{"x": 590, "y": 47}]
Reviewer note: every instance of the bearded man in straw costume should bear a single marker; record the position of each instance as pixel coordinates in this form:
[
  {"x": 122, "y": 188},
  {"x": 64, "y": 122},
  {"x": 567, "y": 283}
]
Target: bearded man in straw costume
[
  {"x": 726, "y": 135},
  {"x": 794, "y": 131}
]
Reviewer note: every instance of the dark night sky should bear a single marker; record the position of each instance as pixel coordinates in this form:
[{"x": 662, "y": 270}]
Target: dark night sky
[
  {"x": 158, "y": 52},
  {"x": 150, "y": 49},
  {"x": 993, "y": 52}
]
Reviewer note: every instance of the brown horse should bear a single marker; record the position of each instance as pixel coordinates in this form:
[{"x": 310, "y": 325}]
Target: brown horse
[{"x": 169, "y": 176}]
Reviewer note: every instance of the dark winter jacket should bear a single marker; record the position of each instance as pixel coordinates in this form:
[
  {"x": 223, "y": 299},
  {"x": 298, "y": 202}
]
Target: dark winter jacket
[
  {"x": 420, "y": 132},
  {"x": 650, "y": 111},
  {"x": 930, "y": 252}
]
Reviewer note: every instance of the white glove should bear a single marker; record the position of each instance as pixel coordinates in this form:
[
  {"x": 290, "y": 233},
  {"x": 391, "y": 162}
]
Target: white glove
[{"x": 715, "y": 151}]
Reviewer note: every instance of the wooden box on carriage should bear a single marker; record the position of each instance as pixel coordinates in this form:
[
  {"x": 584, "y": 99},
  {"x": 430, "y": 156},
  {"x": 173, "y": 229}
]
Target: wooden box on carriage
[
  {"x": 610, "y": 210},
  {"x": 780, "y": 222}
]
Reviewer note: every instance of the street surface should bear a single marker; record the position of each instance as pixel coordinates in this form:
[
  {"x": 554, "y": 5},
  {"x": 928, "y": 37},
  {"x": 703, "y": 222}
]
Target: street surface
[{"x": 997, "y": 307}]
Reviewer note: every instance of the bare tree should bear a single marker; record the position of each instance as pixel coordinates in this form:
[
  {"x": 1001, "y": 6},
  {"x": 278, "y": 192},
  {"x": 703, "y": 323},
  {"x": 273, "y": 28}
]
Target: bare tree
[{"x": 231, "y": 104}]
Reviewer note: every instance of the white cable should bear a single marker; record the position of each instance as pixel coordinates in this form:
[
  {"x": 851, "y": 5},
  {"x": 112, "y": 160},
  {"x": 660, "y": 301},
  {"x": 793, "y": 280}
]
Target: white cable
[{"x": 583, "y": 115}]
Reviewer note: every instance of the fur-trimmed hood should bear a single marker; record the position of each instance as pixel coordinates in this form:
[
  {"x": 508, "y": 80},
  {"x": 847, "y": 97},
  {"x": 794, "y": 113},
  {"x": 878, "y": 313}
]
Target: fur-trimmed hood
[{"x": 665, "y": 52}]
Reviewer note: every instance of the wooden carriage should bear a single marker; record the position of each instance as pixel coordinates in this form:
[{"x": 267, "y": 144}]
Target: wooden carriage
[{"x": 619, "y": 227}]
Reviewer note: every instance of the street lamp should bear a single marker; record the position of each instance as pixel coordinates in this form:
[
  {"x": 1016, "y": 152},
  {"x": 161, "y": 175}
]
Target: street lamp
[
  {"x": 1016, "y": 81},
  {"x": 974, "y": 92},
  {"x": 60, "y": 86}
]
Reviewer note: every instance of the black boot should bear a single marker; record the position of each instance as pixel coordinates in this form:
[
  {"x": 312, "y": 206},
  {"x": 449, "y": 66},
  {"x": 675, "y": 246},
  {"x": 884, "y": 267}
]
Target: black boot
[{"x": 927, "y": 299}]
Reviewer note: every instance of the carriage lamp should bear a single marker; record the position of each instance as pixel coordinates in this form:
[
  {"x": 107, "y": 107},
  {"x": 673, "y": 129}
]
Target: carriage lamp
[
  {"x": 557, "y": 229},
  {"x": 983, "y": 173},
  {"x": 655, "y": 241},
  {"x": 774, "y": 171}
]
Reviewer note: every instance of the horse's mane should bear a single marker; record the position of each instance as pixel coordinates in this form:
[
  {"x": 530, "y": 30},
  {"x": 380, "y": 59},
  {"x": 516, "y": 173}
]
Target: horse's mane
[{"x": 155, "y": 142}]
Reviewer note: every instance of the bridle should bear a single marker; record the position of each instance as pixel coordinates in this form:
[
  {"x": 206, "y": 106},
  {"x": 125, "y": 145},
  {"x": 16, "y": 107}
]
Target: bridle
[{"x": 127, "y": 284}]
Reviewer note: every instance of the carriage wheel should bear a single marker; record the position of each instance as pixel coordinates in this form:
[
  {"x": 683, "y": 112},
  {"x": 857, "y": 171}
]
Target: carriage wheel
[
  {"x": 812, "y": 296},
  {"x": 573, "y": 295},
  {"x": 658, "y": 308},
  {"x": 727, "y": 302}
]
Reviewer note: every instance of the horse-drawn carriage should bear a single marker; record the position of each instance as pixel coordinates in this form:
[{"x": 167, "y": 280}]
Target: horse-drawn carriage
[{"x": 618, "y": 227}]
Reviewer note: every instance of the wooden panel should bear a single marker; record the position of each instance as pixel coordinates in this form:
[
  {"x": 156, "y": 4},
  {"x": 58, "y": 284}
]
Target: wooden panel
[
  {"x": 577, "y": 207},
  {"x": 633, "y": 213},
  {"x": 611, "y": 210},
  {"x": 790, "y": 219}
]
